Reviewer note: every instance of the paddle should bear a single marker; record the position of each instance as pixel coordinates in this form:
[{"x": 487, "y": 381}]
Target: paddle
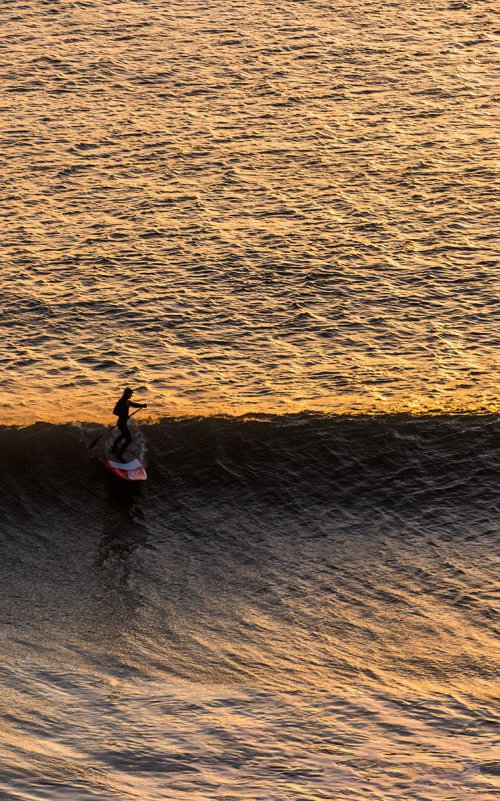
[{"x": 96, "y": 440}]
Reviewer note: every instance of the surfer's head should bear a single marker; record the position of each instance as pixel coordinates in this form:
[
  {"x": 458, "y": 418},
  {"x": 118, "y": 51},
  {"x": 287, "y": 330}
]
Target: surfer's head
[{"x": 127, "y": 392}]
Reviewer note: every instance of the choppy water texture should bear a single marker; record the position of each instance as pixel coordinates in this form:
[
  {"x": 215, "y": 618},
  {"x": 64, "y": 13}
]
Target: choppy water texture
[
  {"x": 256, "y": 209},
  {"x": 290, "y": 608},
  {"x": 269, "y": 206}
]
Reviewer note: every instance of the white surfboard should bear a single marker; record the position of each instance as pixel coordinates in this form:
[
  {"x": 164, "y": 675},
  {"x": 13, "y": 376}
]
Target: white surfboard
[{"x": 129, "y": 471}]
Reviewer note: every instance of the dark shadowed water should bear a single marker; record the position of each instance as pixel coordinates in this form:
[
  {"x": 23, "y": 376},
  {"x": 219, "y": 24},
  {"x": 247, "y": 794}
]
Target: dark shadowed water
[{"x": 290, "y": 608}]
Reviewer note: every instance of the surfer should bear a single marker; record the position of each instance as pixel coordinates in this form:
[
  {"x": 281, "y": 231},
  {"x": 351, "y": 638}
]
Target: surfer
[{"x": 122, "y": 412}]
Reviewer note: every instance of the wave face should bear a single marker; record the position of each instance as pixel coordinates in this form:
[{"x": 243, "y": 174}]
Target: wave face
[
  {"x": 297, "y": 605},
  {"x": 369, "y": 463}
]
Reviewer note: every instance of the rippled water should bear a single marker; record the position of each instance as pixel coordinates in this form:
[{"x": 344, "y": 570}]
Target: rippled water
[
  {"x": 286, "y": 212},
  {"x": 249, "y": 206},
  {"x": 290, "y": 608}
]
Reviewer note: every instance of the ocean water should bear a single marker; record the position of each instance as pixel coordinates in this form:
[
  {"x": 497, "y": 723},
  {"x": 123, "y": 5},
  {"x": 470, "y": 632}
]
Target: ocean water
[
  {"x": 291, "y": 607},
  {"x": 279, "y": 223},
  {"x": 249, "y": 206}
]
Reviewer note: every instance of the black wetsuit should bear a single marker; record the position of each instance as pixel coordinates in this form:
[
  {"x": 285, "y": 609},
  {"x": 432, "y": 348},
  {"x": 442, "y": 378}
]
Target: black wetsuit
[{"x": 122, "y": 410}]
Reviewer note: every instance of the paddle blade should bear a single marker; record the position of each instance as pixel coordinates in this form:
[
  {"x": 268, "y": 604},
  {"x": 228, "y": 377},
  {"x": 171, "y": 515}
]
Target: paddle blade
[{"x": 95, "y": 441}]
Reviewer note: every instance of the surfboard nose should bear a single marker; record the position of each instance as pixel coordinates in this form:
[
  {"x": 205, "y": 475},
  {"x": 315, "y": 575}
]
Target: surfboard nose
[{"x": 129, "y": 471}]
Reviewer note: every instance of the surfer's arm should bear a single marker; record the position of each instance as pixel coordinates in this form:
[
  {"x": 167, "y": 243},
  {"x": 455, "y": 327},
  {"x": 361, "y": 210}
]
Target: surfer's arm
[{"x": 137, "y": 405}]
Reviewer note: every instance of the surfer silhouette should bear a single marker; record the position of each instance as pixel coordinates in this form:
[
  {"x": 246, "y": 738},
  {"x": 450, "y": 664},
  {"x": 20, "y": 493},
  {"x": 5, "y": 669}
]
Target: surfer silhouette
[{"x": 122, "y": 411}]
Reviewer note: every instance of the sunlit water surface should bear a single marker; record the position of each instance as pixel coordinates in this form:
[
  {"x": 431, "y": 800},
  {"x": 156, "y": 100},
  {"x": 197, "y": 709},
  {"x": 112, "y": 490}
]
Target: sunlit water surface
[
  {"x": 255, "y": 207},
  {"x": 268, "y": 206}
]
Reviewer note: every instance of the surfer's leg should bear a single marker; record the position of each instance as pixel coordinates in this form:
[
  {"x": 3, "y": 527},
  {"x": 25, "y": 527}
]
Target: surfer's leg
[
  {"x": 125, "y": 433},
  {"x": 114, "y": 446}
]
